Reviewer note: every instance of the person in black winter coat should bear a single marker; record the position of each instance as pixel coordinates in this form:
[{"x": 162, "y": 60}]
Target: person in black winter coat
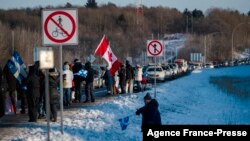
[
  {"x": 89, "y": 83},
  {"x": 11, "y": 80},
  {"x": 150, "y": 112},
  {"x": 54, "y": 94},
  {"x": 22, "y": 94},
  {"x": 122, "y": 79},
  {"x": 42, "y": 102},
  {"x": 77, "y": 79},
  {"x": 129, "y": 77},
  {"x": 33, "y": 94},
  {"x": 108, "y": 82}
]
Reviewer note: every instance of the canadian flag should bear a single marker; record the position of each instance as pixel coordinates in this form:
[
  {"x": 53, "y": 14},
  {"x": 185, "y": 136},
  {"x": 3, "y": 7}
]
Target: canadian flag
[{"x": 104, "y": 50}]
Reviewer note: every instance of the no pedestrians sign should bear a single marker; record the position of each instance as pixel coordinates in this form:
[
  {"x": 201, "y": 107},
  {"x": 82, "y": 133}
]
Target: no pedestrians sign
[
  {"x": 60, "y": 27},
  {"x": 155, "y": 48}
]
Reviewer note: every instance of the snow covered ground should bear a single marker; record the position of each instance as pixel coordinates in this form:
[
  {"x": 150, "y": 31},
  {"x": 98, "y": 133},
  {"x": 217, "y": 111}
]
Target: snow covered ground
[{"x": 188, "y": 100}]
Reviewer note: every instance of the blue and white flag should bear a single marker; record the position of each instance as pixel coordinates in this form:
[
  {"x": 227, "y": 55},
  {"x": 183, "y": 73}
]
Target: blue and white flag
[
  {"x": 19, "y": 63},
  {"x": 124, "y": 122},
  {"x": 83, "y": 73},
  {"x": 17, "y": 67}
]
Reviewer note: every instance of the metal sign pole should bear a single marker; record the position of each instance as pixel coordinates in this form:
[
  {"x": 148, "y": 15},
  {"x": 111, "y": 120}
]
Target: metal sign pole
[
  {"x": 176, "y": 53},
  {"x": 47, "y": 103},
  {"x": 155, "y": 76},
  {"x": 205, "y": 49},
  {"x": 67, "y": 22},
  {"x": 61, "y": 88},
  {"x": 164, "y": 52}
]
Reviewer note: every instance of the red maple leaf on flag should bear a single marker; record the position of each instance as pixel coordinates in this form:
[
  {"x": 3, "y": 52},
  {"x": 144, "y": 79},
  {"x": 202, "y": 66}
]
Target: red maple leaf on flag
[
  {"x": 104, "y": 50},
  {"x": 110, "y": 56}
]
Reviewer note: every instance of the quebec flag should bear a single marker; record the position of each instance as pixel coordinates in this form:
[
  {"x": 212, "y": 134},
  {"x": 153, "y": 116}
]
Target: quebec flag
[
  {"x": 17, "y": 67},
  {"x": 124, "y": 122},
  {"x": 83, "y": 73}
]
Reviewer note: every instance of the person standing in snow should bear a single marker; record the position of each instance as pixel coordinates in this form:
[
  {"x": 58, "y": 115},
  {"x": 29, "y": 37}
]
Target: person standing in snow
[
  {"x": 67, "y": 84},
  {"x": 33, "y": 93},
  {"x": 77, "y": 79},
  {"x": 89, "y": 87},
  {"x": 150, "y": 113},
  {"x": 138, "y": 77},
  {"x": 11, "y": 81},
  {"x": 115, "y": 83},
  {"x": 21, "y": 92},
  {"x": 122, "y": 79},
  {"x": 54, "y": 95},
  {"x": 108, "y": 82},
  {"x": 129, "y": 77},
  {"x": 41, "y": 107}
]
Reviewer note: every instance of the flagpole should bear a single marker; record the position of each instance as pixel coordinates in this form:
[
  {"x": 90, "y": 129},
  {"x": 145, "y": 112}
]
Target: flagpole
[
  {"x": 155, "y": 69},
  {"x": 155, "y": 77},
  {"x": 100, "y": 43}
]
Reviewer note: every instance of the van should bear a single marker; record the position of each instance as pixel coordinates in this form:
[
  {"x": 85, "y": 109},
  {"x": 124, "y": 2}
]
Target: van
[{"x": 183, "y": 66}]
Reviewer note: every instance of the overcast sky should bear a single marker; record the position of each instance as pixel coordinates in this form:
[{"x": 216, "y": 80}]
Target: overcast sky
[{"x": 241, "y": 5}]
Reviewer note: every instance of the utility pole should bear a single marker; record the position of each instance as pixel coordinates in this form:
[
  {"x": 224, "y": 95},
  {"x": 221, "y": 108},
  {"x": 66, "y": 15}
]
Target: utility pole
[
  {"x": 139, "y": 10},
  {"x": 186, "y": 23},
  {"x": 192, "y": 26},
  {"x": 205, "y": 49}
]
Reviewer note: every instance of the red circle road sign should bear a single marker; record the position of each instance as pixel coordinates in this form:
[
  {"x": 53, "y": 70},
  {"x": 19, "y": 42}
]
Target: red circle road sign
[
  {"x": 68, "y": 35},
  {"x": 157, "y": 47}
]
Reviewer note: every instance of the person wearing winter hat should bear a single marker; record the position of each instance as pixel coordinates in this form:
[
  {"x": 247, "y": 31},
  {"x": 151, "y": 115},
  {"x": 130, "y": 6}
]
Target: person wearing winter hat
[
  {"x": 150, "y": 113},
  {"x": 76, "y": 61},
  {"x": 147, "y": 98}
]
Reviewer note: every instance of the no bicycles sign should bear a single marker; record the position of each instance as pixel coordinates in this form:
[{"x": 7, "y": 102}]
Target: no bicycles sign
[{"x": 60, "y": 27}]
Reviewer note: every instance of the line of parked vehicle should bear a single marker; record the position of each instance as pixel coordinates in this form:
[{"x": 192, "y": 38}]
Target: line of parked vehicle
[
  {"x": 235, "y": 62},
  {"x": 163, "y": 72},
  {"x": 219, "y": 64}
]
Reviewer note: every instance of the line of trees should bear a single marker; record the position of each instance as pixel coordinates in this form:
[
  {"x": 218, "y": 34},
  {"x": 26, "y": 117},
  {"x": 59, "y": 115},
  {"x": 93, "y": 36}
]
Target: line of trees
[{"x": 126, "y": 30}]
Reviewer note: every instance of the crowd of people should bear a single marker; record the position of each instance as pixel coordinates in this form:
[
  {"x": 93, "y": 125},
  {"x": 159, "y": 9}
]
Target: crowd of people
[{"x": 31, "y": 92}]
